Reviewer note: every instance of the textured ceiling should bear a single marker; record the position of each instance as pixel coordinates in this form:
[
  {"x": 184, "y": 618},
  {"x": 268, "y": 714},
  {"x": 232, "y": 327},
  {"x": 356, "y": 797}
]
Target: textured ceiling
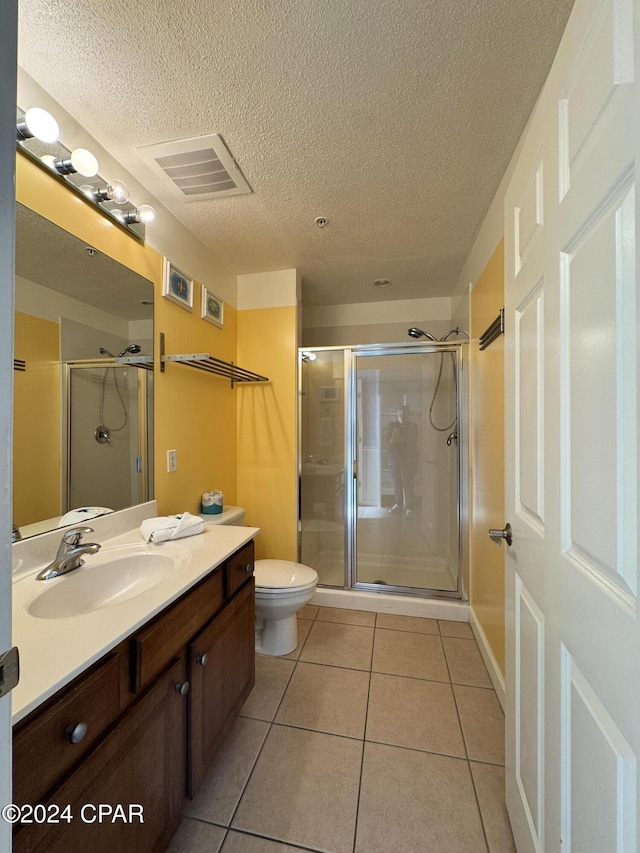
[
  {"x": 56, "y": 259},
  {"x": 394, "y": 119}
]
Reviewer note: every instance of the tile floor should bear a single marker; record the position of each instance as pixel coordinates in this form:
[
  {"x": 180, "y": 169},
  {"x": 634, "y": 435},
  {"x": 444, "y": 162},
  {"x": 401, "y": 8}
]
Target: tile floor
[{"x": 378, "y": 734}]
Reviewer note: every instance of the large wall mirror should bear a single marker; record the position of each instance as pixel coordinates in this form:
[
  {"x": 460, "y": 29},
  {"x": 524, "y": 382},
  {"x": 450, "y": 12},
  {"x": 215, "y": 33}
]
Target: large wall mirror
[{"x": 83, "y": 380}]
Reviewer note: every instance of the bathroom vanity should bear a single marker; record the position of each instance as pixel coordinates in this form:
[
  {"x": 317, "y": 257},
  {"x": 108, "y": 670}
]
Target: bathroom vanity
[{"x": 109, "y": 757}]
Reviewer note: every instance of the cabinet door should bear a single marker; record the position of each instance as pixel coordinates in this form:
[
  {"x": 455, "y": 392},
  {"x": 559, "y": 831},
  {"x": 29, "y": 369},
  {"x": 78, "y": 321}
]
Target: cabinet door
[
  {"x": 222, "y": 674},
  {"x": 141, "y": 762}
]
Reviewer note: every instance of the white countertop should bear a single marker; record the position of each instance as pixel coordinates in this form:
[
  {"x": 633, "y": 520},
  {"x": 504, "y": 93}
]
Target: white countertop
[{"x": 54, "y": 651}]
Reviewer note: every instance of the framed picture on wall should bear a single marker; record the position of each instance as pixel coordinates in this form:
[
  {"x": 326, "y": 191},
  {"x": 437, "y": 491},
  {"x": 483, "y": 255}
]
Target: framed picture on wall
[
  {"x": 177, "y": 286},
  {"x": 212, "y": 308},
  {"x": 329, "y": 394}
]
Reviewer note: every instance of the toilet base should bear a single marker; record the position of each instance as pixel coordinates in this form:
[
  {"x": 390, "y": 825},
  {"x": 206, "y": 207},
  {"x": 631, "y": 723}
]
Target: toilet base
[{"x": 276, "y": 636}]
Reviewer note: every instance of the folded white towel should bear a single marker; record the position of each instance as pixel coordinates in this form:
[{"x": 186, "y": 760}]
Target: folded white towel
[{"x": 171, "y": 527}]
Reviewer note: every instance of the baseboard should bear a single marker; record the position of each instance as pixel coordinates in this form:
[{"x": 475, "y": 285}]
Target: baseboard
[
  {"x": 399, "y": 605},
  {"x": 490, "y": 662}
]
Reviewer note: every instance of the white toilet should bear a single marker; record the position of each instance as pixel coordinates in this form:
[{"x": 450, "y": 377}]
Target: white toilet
[{"x": 282, "y": 588}]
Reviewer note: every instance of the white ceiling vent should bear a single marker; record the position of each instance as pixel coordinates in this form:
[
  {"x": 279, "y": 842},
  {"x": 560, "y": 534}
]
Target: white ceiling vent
[{"x": 198, "y": 168}]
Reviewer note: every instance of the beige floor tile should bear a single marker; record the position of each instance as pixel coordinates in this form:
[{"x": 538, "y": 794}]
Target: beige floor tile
[
  {"x": 465, "y": 662},
  {"x": 456, "y": 629},
  {"x": 407, "y": 623},
  {"x": 405, "y": 653},
  {"x": 272, "y": 677},
  {"x": 304, "y": 626},
  {"x": 482, "y": 722},
  {"x": 223, "y": 785},
  {"x": 315, "y": 808},
  {"x": 336, "y": 644},
  {"x": 326, "y": 699},
  {"x": 349, "y": 617},
  {"x": 309, "y": 611},
  {"x": 194, "y": 836},
  {"x": 416, "y": 802},
  {"x": 489, "y": 782},
  {"x": 238, "y": 842},
  {"x": 414, "y": 713}
]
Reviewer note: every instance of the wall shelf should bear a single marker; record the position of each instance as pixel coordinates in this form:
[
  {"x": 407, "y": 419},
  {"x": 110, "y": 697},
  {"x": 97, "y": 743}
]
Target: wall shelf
[{"x": 210, "y": 364}]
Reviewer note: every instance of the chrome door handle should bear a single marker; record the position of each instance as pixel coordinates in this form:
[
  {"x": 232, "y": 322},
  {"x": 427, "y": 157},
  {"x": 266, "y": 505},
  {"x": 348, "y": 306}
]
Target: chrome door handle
[{"x": 497, "y": 536}]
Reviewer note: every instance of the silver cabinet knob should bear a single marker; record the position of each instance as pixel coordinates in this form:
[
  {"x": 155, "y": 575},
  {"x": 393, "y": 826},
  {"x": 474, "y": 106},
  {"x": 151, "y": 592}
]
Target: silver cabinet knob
[
  {"x": 202, "y": 659},
  {"x": 76, "y": 733},
  {"x": 248, "y": 567},
  {"x": 497, "y": 536},
  {"x": 182, "y": 687}
]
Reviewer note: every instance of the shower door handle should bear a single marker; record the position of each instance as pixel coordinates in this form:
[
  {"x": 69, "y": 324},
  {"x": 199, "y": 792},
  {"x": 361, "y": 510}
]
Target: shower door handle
[
  {"x": 354, "y": 469},
  {"x": 497, "y": 536}
]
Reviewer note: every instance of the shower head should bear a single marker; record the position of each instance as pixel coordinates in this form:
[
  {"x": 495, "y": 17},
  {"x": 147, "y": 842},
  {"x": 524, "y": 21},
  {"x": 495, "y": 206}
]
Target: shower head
[
  {"x": 132, "y": 348},
  {"x": 414, "y": 332}
]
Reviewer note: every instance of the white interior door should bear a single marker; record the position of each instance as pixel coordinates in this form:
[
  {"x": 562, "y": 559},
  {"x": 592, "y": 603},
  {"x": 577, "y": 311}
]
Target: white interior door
[
  {"x": 573, "y": 639},
  {"x": 8, "y": 60}
]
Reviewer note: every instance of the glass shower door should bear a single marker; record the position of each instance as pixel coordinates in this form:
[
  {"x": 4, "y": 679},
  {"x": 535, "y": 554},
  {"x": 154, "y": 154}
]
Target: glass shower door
[
  {"x": 322, "y": 464},
  {"x": 406, "y": 485}
]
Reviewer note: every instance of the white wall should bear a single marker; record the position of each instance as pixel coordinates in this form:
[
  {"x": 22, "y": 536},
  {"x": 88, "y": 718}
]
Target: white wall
[
  {"x": 167, "y": 235},
  {"x": 374, "y": 322}
]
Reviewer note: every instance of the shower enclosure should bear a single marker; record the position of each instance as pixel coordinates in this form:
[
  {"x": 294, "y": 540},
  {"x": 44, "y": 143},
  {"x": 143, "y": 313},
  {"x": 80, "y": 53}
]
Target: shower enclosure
[
  {"x": 108, "y": 428},
  {"x": 380, "y": 441}
]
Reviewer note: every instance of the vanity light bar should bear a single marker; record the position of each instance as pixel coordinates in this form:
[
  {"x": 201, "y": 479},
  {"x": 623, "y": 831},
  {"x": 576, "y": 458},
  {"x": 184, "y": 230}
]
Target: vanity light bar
[{"x": 37, "y": 135}]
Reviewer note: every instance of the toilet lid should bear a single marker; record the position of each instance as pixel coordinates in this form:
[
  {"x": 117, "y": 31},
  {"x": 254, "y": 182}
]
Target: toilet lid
[{"x": 281, "y": 574}]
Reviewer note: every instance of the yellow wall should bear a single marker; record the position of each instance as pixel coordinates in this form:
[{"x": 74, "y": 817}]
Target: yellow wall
[
  {"x": 195, "y": 413},
  {"x": 267, "y": 473},
  {"x": 36, "y": 418},
  {"x": 487, "y": 457}
]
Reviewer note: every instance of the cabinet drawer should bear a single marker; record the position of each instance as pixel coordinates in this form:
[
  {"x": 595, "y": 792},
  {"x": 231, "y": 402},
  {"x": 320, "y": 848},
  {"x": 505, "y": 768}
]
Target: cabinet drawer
[
  {"x": 42, "y": 747},
  {"x": 154, "y": 646},
  {"x": 239, "y": 569}
]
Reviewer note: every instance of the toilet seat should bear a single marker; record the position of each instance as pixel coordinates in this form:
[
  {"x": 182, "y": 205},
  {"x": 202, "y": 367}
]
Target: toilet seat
[{"x": 272, "y": 576}]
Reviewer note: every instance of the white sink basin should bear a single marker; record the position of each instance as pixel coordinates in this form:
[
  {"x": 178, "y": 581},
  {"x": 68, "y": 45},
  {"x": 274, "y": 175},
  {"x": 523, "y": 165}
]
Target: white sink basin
[{"x": 108, "y": 578}]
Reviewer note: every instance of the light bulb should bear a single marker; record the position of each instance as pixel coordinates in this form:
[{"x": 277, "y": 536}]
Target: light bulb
[
  {"x": 146, "y": 214},
  {"x": 118, "y": 191},
  {"x": 39, "y": 124},
  {"x": 88, "y": 190},
  {"x": 49, "y": 160},
  {"x": 84, "y": 162}
]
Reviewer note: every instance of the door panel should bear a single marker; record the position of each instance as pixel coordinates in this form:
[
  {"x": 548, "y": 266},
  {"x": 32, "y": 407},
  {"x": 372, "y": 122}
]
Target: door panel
[{"x": 573, "y": 638}]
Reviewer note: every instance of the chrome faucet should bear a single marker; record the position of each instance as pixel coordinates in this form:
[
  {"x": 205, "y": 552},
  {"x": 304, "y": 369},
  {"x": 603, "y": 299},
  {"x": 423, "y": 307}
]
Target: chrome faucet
[{"x": 70, "y": 553}]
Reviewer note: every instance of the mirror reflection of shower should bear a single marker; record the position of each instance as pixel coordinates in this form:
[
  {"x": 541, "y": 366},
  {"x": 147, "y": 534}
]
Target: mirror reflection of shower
[
  {"x": 415, "y": 332},
  {"x": 103, "y": 432}
]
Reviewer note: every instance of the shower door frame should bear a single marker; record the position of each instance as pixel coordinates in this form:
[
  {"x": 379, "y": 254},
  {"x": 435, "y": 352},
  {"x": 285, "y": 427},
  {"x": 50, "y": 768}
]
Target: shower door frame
[
  {"x": 460, "y": 350},
  {"x": 144, "y": 375}
]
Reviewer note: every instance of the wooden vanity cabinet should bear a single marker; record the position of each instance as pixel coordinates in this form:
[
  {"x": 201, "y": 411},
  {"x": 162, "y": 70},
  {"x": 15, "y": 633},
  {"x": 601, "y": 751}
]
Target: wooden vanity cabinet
[
  {"x": 157, "y": 708},
  {"x": 221, "y": 674}
]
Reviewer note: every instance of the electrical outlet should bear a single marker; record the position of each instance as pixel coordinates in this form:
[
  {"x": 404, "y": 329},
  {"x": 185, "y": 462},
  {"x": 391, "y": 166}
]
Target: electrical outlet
[{"x": 172, "y": 461}]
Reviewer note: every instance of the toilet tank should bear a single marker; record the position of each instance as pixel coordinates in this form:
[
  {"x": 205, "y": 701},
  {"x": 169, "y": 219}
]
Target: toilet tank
[{"x": 233, "y": 515}]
